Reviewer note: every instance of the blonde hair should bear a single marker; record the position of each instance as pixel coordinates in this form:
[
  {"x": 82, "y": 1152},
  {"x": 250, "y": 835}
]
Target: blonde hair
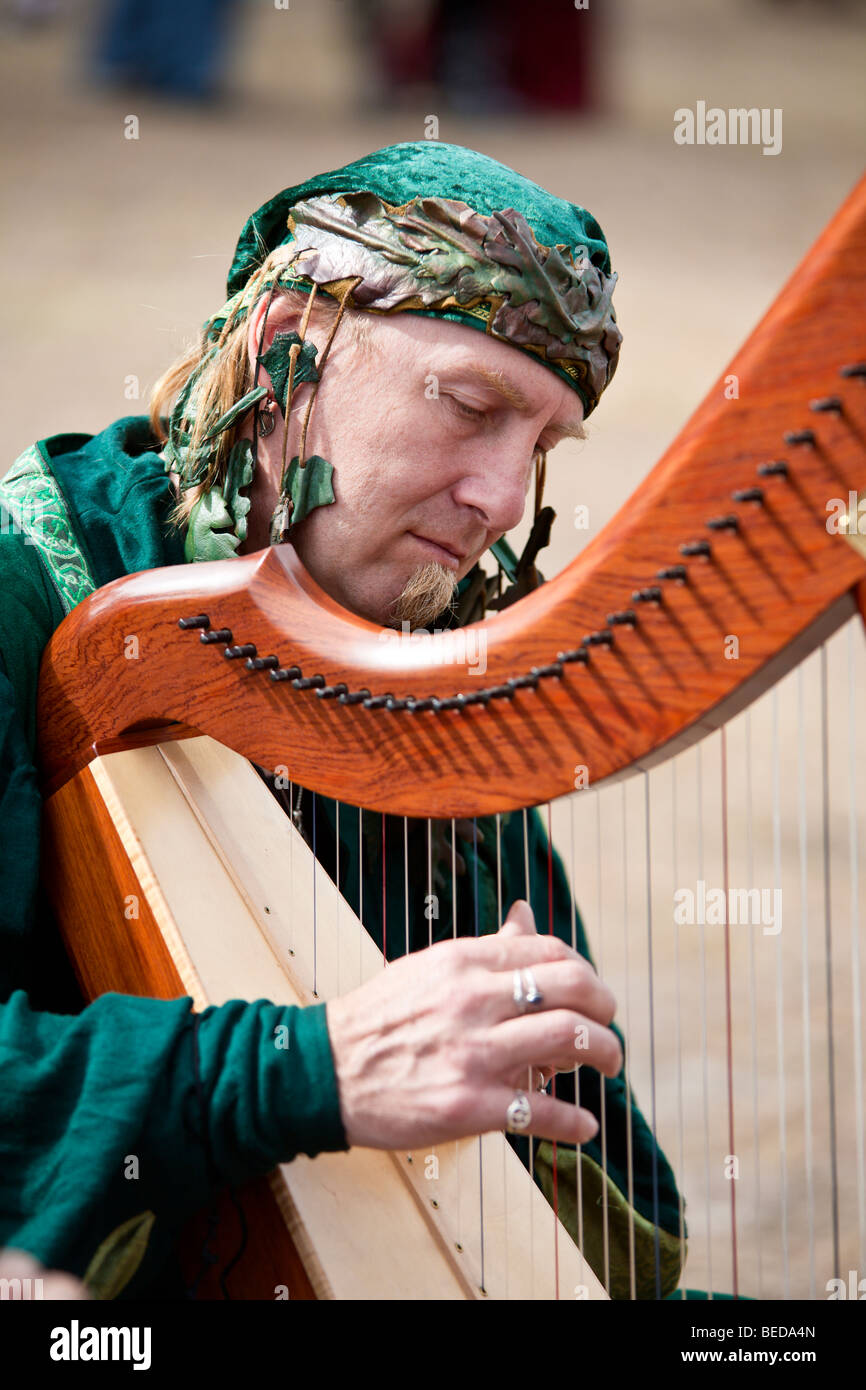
[{"x": 228, "y": 375}]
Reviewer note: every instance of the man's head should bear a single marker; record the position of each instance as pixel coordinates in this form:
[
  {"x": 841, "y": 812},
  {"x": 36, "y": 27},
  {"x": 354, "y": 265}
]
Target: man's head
[
  {"x": 432, "y": 430},
  {"x": 411, "y": 434}
]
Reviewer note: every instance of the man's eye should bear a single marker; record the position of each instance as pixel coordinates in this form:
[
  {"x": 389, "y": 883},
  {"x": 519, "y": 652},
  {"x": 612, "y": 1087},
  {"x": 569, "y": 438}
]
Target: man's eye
[{"x": 468, "y": 412}]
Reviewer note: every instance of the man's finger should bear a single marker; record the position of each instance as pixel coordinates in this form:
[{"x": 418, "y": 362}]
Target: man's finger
[
  {"x": 520, "y": 920},
  {"x": 559, "y": 1039},
  {"x": 548, "y": 1118},
  {"x": 563, "y": 984}
]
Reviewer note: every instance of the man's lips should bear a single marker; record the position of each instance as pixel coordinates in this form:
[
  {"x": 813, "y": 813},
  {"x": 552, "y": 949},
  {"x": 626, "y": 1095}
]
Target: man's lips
[{"x": 451, "y": 555}]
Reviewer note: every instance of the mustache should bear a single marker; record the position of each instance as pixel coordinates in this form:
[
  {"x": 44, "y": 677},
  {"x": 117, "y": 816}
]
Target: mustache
[{"x": 427, "y": 593}]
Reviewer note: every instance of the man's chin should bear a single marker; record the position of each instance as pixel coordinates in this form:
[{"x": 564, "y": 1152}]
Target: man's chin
[{"x": 427, "y": 593}]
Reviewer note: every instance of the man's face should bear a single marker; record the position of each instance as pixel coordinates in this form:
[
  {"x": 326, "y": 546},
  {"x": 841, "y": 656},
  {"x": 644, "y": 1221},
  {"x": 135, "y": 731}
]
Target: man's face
[{"x": 432, "y": 431}]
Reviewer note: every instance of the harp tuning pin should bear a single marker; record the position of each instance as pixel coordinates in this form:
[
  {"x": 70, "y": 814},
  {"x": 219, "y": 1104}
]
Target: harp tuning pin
[
  {"x": 598, "y": 639},
  {"x": 219, "y": 634},
  {"x": 626, "y": 617},
  {"x": 678, "y": 573},
  {"x": 308, "y": 682},
  {"x": 575, "y": 654},
  {"x": 799, "y": 437},
  {"x": 651, "y": 595},
  {"x": 854, "y": 369},
  {"x": 330, "y": 692},
  {"x": 723, "y": 523},
  {"x": 776, "y": 468},
  {"x": 523, "y": 682},
  {"x": 262, "y": 663},
  {"x": 353, "y": 697},
  {"x": 697, "y": 549},
  {"x": 826, "y": 405},
  {"x": 748, "y": 494},
  {"x": 553, "y": 669},
  {"x": 246, "y": 649},
  {"x": 285, "y": 673},
  {"x": 376, "y": 701},
  {"x": 419, "y": 706},
  {"x": 200, "y": 620},
  {"x": 396, "y": 702},
  {"x": 501, "y": 692}
]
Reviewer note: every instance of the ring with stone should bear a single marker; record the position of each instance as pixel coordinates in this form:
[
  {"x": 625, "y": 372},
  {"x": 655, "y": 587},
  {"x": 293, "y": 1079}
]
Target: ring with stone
[{"x": 531, "y": 993}]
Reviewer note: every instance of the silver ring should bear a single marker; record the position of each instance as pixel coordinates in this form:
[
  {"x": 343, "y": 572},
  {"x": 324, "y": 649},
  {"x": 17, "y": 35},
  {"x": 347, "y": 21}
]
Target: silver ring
[
  {"x": 518, "y": 1116},
  {"x": 532, "y": 995}
]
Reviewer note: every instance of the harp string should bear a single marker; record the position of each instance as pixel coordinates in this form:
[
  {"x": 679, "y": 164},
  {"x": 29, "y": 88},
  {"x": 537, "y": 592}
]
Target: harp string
[
  {"x": 555, "y": 1150},
  {"x": 729, "y": 1038},
  {"x": 704, "y": 1044},
  {"x": 753, "y": 999},
  {"x": 479, "y": 1141},
  {"x": 602, "y": 1080},
  {"x": 652, "y": 1041},
  {"x": 780, "y": 1002},
  {"x": 578, "y": 1167},
  {"x": 626, "y": 928},
  {"x": 499, "y": 916},
  {"x": 527, "y": 893},
  {"x": 804, "y": 953},
  {"x": 856, "y": 1011},
  {"x": 828, "y": 954},
  {"x": 678, "y": 1040}
]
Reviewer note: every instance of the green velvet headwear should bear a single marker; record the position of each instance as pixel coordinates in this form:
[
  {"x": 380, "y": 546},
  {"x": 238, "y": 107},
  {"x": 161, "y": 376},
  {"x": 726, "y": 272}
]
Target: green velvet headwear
[{"x": 567, "y": 261}]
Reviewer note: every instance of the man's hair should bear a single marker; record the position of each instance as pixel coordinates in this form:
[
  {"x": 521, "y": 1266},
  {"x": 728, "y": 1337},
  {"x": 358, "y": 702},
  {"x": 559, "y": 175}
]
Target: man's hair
[{"x": 229, "y": 375}]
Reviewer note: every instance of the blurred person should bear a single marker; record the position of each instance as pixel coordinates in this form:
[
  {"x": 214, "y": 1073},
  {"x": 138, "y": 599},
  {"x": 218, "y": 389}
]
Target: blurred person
[
  {"x": 175, "y": 48},
  {"x": 493, "y": 55}
]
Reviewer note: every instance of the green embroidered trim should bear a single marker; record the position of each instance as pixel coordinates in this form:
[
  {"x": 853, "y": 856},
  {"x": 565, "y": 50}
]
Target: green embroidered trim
[
  {"x": 620, "y": 1219},
  {"x": 30, "y": 494}
]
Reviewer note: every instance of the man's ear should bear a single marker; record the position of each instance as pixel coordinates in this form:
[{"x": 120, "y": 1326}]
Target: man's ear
[{"x": 282, "y": 317}]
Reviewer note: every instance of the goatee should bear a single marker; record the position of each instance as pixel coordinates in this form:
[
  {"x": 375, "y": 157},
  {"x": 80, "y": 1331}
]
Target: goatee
[{"x": 427, "y": 593}]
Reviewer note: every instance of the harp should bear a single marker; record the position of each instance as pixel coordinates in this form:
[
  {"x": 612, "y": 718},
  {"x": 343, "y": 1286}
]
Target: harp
[{"x": 702, "y": 628}]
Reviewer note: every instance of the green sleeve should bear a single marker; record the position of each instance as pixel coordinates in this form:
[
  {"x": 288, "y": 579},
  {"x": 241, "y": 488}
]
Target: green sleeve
[
  {"x": 100, "y": 1113},
  {"x": 197, "y": 1101}
]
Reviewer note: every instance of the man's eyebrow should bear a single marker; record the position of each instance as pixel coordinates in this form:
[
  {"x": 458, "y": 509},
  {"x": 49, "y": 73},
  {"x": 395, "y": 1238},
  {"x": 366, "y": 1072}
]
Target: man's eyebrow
[{"x": 511, "y": 392}]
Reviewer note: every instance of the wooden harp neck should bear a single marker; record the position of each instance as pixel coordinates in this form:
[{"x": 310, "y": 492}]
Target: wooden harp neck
[{"x": 611, "y": 664}]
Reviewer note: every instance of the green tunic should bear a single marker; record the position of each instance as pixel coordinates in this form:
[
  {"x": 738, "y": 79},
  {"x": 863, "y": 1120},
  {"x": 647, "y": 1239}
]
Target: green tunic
[{"x": 84, "y": 1088}]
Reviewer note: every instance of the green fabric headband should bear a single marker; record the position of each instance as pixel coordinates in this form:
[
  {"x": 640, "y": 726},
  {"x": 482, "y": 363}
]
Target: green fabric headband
[{"x": 549, "y": 281}]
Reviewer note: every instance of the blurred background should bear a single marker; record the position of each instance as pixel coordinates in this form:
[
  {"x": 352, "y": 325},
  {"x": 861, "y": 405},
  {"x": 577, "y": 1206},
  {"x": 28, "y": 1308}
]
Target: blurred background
[{"x": 115, "y": 249}]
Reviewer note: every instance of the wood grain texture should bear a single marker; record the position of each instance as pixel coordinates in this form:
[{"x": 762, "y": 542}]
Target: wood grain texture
[
  {"x": 768, "y": 583},
  {"x": 109, "y": 909}
]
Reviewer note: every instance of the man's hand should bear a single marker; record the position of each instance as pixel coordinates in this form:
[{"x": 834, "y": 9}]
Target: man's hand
[{"x": 435, "y": 1047}]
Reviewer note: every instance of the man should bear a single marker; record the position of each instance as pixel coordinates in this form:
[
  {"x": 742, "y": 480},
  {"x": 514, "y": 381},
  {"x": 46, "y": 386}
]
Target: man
[{"x": 343, "y": 400}]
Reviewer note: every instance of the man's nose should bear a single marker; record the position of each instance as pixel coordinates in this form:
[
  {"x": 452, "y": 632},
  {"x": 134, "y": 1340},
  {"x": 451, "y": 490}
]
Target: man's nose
[{"x": 497, "y": 487}]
